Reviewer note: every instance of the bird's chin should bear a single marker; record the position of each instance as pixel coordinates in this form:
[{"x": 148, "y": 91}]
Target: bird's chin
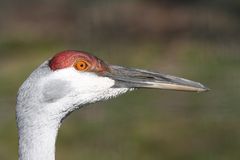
[
  {"x": 108, "y": 94},
  {"x": 86, "y": 99}
]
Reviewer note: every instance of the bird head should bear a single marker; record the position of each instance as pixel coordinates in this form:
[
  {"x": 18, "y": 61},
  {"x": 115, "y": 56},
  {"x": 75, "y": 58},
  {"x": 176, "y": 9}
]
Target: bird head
[{"x": 75, "y": 78}]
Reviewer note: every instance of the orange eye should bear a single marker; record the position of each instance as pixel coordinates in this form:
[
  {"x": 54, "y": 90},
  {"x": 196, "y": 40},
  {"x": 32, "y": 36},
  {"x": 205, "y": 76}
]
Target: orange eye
[{"x": 81, "y": 65}]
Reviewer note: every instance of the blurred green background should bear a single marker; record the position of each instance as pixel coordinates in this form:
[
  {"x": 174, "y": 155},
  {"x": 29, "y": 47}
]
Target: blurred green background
[{"x": 195, "y": 39}]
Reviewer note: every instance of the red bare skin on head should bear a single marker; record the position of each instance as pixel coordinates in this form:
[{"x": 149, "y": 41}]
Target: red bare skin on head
[{"x": 69, "y": 58}]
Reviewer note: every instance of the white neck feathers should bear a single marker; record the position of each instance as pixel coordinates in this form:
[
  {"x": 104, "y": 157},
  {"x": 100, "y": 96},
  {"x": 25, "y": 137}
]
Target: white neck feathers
[{"x": 37, "y": 142}]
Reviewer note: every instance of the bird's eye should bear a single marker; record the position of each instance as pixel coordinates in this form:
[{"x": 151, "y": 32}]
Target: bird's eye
[{"x": 81, "y": 65}]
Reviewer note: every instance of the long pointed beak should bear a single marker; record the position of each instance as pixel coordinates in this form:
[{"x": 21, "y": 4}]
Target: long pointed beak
[{"x": 137, "y": 78}]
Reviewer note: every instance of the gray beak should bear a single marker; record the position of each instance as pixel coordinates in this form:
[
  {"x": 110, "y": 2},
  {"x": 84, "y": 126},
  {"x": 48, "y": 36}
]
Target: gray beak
[{"x": 137, "y": 78}]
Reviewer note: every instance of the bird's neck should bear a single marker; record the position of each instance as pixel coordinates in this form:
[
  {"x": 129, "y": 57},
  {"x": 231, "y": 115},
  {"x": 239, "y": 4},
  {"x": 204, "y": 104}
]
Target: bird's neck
[{"x": 37, "y": 140}]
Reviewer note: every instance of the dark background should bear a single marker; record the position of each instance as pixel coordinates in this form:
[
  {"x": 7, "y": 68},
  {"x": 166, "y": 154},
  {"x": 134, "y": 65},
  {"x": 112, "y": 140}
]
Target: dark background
[{"x": 195, "y": 39}]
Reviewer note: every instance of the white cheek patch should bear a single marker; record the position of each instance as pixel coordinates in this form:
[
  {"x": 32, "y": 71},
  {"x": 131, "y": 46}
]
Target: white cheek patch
[
  {"x": 86, "y": 82},
  {"x": 69, "y": 81},
  {"x": 89, "y": 82},
  {"x": 68, "y": 89}
]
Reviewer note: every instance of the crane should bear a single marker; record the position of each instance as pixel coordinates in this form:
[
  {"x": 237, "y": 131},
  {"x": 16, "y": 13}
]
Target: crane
[{"x": 68, "y": 81}]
